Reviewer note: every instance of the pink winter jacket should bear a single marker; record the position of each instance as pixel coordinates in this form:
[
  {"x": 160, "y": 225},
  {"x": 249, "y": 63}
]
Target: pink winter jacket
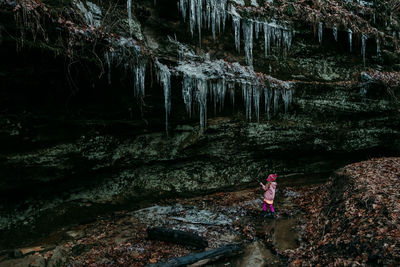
[{"x": 269, "y": 194}]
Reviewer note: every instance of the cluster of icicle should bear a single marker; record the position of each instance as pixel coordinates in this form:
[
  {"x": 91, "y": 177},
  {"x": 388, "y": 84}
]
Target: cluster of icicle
[
  {"x": 127, "y": 53},
  {"x": 213, "y": 13},
  {"x": 213, "y": 79},
  {"x": 204, "y": 13},
  {"x": 364, "y": 39}
]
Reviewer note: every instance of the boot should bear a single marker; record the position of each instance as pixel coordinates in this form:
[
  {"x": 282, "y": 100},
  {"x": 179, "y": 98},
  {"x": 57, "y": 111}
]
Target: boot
[{"x": 263, "y": 213}]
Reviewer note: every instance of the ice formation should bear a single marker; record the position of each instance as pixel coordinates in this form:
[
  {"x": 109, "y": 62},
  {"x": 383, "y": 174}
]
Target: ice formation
[
  {"x": 164, "y": 78},
  {"x": 267, "y": 100},
  {"x": 108, "y": 61},
  {"x": 213, "y": 14},
  {"x": 236, "y": 18},
  {"x": 139, "y": 72},
  {"x": 335, "y": 32},
  {"x": 275, "y": 34},
  {"x": 129, "y": 9},
  {"x": 211, "y": 80},
  {"x": 204, "y": 13},
  {"x": 287, "y": 98},
  {"x": 254, "y": 3},
  {"x": 364, "y": 39},
  {"x": 92, "y": 13},
  {"x": 257, "y": 28},
  {"x": 378, "y": 47},
  {"x": 350, "y": 34},
  {"x": 320, "y": 31},
  {"x": 248, "y": 41},
  {"x": 236, "y": 26},
  {"x": 127, "y": 52}
]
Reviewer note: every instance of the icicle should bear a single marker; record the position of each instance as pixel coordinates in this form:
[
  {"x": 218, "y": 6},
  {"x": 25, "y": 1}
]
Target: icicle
[
  {"x": 287, "y": 98},
  {"x": 213, "y": 19},
  {"x": 108, "y": 60},
  {"x": 187, "y": 93},
  {"x": 201, "y": 97},
  {"x": 350, "y": 34},
  {"x": 183, "y": 8},
  {"x": 378, "y": 47},
  {"x": 247, "y": 91},
  {"x": 221, "y": 88},
  {"x": 192, "y": 16},
  {"x": 335, "y": 32},
  {"x": 248, "y": 41},
  {"x": 139, "y": 72},
  {"x": 164, "y": 78},
  {"x": 199, "y": 87},
  {"x": 364, "y": 39},
  {"x": 267, "y": 39},
  {"x": 223, "y": 10},
  {"x": 236, "y": 26},
  {"x": 199, "y": 14},
  {"x": 129, "y": 8},
  {"x": 276, "y": 100},
  {"x": 212, "y": 16},
  {"x": 287, "y": 38},
  {"x": 320, "y": 31},
  {"x": 256, "y": 100},
  {"x": 363, "y": 90},
  {"x": 214, "y": 95},
  {"x": 231, "y": 87},
  {"x": 267, "y": 97},
  {"x": 257, "y": 28}
]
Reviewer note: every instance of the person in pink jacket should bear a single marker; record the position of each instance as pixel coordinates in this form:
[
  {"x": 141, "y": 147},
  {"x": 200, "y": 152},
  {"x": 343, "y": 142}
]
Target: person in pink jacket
[{"x": 269, "y": 194}]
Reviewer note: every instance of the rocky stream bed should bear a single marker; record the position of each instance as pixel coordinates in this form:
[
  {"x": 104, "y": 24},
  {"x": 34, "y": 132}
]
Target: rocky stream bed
[{"x": 316, "y": 223}]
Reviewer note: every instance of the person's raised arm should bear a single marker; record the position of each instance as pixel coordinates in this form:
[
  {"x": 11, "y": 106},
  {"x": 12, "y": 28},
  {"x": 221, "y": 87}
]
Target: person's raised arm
[{"x": 263, "y": 186}]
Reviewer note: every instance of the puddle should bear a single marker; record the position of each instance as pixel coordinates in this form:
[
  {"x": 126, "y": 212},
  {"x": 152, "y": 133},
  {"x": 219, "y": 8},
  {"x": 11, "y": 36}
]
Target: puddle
[
  {"x": 255, "y": 254},
  {"x": 284, "y": 236}
]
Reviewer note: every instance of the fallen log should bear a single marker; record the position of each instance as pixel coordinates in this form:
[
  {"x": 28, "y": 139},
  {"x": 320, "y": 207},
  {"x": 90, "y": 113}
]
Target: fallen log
[
  {"x": 177, "y": 237},
  {"x": 198, "y": 259}
]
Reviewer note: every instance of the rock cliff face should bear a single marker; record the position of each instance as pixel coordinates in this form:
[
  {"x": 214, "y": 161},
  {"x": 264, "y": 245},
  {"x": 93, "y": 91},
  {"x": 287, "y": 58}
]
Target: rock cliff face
[{"x": 109, "y": 102}]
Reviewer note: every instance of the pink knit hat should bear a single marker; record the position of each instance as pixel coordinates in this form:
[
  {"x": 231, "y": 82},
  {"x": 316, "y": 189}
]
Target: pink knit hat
[{"x": 272, "y": 177}]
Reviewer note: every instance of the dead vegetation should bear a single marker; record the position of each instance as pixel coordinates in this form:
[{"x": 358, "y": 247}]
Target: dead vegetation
[{"x": 354, "y": 218}]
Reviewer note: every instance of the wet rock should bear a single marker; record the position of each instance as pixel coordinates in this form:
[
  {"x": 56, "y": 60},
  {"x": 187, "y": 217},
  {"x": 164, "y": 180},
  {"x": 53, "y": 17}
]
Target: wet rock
[
  {"x": 17, "y": 253},
  {"x": 29, "y": 261},
  {"x": 38, "y": 261},
  {"x": 75, "y": 234},
  {"x": 365, "y": 77},
  {"x": 80, "y": 249},
  {"x": 59, "y": 257},
  {"x": 290, "y": 193}
]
